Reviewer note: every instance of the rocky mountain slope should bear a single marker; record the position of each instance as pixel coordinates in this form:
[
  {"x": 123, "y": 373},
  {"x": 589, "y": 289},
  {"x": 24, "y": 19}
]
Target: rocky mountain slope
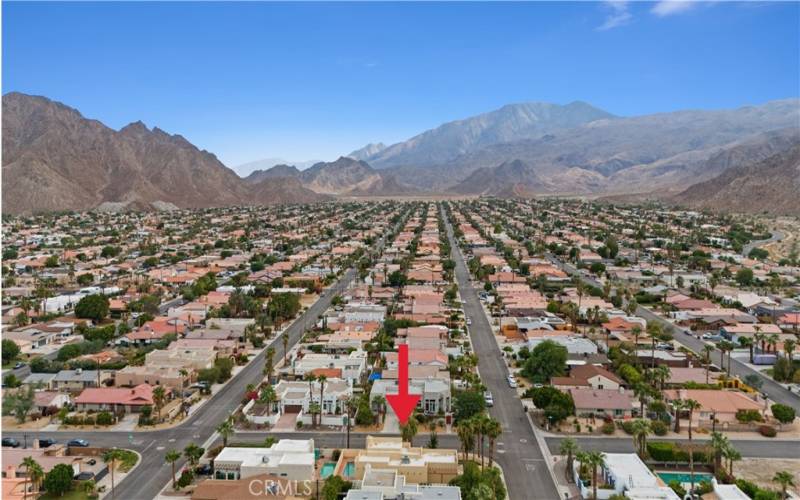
[
  {"x": 637, "y": 154},
  {"x": 367, "y": 151},
  {"x": 272, "y": 172},
  {"x": 347, "y": 176},
  {"x": 771, "y": 185},
  {"x": 509, "y": 123},
  {"x": 511, "y": 178},
  {"x": 55, "y": 159}
]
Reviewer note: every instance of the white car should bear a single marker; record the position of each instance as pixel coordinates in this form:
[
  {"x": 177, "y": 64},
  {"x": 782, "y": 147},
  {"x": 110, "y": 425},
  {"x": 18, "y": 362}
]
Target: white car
[
  {"x": 487, "y": 398},
  {"x": 469, "y": 322},
  {"x": 512, "y": 382}
]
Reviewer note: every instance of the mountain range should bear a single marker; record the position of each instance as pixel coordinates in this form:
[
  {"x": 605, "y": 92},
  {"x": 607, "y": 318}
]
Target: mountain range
[{"x": 55, "y": 159}]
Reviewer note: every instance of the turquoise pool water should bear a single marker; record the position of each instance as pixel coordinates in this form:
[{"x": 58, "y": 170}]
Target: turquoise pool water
[
  {"x": 683, "y": 477},
  {"x": 349, "y": 469},
  {"x": 326, "y": 470}
]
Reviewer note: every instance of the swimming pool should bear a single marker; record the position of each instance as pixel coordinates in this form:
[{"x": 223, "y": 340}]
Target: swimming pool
[
  {"x": 349, "y": 469},
  {"x": 684, "y": 477},
  {"x": 326, "y": 470}
]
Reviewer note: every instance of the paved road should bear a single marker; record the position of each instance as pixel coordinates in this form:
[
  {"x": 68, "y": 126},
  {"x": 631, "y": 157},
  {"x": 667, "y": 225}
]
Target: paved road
[
  {"x": 776, "y": 392},
  {"x": 524, "y": 466},
  {"x": 749, "y": 448},
  {"x": 776, "y": 236}
]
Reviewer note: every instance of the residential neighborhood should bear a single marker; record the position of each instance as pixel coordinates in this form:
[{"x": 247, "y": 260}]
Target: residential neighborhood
[{"x": 279, "y": 332}]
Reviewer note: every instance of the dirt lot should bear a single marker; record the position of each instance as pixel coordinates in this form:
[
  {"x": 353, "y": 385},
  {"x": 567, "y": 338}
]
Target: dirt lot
[
  {"x": 791, "y": 238},
  {"x": 762, "y": 470}
]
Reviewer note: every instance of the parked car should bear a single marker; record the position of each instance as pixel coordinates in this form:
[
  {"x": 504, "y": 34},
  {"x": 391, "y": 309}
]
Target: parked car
[
  {"x": 80, "y": 443},
  {"x": 18, "y": 365},
  {"x": 203, "y": 470},
  {"x": 665, "y": 346},
  {"x": 10, "y": 442},
  {"x": 712, "y": 336},
  {"x": 488, "y": 399},
  {"x": 512, "y": 382},
  {"x": 469, "y": 321},
  {"x": 46, "y": 443}
]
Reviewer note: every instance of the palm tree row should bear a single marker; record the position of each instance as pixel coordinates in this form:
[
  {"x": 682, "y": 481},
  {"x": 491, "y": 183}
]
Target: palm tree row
[{"x": 479, "y": 428}]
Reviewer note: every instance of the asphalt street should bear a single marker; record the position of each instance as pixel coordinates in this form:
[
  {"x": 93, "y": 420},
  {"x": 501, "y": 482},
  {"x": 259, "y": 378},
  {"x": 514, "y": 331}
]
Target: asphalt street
[{"x": 524, "y": 466}]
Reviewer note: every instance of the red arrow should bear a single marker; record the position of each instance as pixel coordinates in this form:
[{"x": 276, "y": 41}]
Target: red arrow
[{"x": 403, "y": 403}]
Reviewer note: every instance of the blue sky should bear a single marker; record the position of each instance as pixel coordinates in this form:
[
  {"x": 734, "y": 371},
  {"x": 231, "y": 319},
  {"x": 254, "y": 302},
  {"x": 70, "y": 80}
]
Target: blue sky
[{"x": 308, "y": 80}]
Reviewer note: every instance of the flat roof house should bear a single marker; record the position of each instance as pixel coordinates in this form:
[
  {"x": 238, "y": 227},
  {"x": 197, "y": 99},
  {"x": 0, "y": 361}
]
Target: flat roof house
[{"x": 288, "y": 458}]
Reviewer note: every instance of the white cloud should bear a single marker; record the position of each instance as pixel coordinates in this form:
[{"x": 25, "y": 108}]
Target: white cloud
[
  {"x": 669, "y": 7},
  {"x": 619, "y": 15}
]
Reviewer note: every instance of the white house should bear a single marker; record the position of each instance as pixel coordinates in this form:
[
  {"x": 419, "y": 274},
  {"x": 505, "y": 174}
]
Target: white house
[{"x": 288, "y": 458}]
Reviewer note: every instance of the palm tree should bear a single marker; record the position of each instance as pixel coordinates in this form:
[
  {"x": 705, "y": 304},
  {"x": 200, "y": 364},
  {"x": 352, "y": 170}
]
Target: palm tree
[
  {"x": 641, "y": 429},
  {"x": 759, "y": 338},
  {"x": 409, "y": 430},
  {"x": 678, "y": 405},
  {"x": 788, "y": 347},
  {"x": 465, "y": 435},
  {"x": 268, "y": 398},
  {"x": 225, "y": 429},
  {"x": 159, "y": 397},
  {"x": 171, "y": 457},
  {"x": 773, "y": 341},
  {"x": 662, "y": 374},
  {"x": 595, "y": 459},
  {"x": 718, "y": 444},
  {"x": 569, "y": 448},
  {"x": 184, "y": 373},
  {"x": 493, "y": 431},
  {"x": 110, "y": 457},
  {"x": 269, "y": 362},
  {"x": 89, "y": 488},
  {"x": 29, "y": 463},
  {"x": 322, "y": 379},
  {"x": 193, "y": 453},
  {"x": 691, "y": 405},
  {"x": 311, "y": 378},
  {"x": 747, "y": 342},
  {"x": 36, "y": 474},
  {"x": 654, "y": 330},
  {"x": 707, "y": 350},
  {"x": 641, "y": 390},
  {"x": 731, "y": 454},
  {"x": 785, "y": 479},
  {"x": 285, "y": 340},
  {"x": 636, "y": 331},
  {"x": 379, "y": 402}
]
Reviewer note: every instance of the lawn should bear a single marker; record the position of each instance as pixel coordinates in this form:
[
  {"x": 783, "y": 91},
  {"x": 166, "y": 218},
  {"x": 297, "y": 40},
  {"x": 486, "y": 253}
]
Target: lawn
[{"x": 71, "y": 495}]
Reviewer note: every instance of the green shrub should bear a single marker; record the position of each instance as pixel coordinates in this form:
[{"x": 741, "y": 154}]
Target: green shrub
[
  {"x": 627, "y": 426},
  {"x": 105, "y": 418},
  {"x": 746, "y": 416},
  {"x": 659, "y": 428},
  {"x": 607, "y": 428},
  {"x": 783, "y": 413}
]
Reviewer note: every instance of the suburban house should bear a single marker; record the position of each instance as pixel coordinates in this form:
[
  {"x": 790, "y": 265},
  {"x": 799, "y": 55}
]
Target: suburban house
[
  {"x": 418, "y": 465},
  {"x": 603, "y": 402},
  {"x": 592, "y": 376},
  {"x": 353, "y": 365},
  {"x": 79, "y": 379},
  {"x": 115, "y": 399},
  {"x": 435, "y": 393},
  {"x": 288, "y": 458},
  {"x": 625, "y": 474},
  {"x": 719, "y": 405},
  {"x": 379, "y": 483}
]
